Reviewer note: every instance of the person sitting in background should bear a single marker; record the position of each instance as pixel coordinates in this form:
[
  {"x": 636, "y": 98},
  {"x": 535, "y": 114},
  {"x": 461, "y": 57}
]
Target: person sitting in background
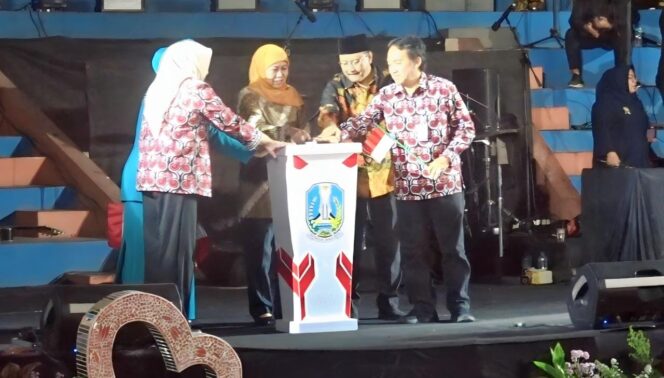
[
  {"x": 595, "y": 24},
  {"x": 275, "y": 108},
  {"x": 619, "y": 121}
]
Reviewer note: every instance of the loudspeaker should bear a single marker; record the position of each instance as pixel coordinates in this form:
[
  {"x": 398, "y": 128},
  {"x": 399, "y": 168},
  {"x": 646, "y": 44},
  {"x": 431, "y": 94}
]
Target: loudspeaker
[
  {"x": 617, "y": 294},
  {"x": 68, "y": 303},
  {"x": 21, "y": 307},
  {"x": 479, "y": 89}
]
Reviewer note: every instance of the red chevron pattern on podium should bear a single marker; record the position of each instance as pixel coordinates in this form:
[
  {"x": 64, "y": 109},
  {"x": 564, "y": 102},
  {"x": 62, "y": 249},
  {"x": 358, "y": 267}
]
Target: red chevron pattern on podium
[
  {"x": 344, "y": 274},
  {"x": 298, "y": 277}
]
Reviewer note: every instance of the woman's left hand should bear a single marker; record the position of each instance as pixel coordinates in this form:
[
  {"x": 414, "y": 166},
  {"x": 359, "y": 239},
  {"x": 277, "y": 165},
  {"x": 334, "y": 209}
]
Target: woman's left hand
[
  {"x": 330, "y": 134},
  {"x": 612, "y": 159},
  {"x": 300, "y": 136},
  {"x": 268, "y": 146}
]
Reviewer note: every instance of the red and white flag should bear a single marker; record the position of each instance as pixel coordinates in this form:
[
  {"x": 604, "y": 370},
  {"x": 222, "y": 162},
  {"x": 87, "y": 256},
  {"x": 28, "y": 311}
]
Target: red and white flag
[{"x": 377, "y": 144}]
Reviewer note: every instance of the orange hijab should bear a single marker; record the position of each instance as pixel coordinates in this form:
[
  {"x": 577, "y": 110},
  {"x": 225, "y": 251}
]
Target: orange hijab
[{"x": 264, "y": 57}]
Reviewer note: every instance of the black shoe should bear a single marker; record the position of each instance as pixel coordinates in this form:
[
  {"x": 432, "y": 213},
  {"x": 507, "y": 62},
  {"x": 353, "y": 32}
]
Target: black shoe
[
  {"x": 576, "y": 81},
  {"x": 264, "y": 320},
  {"x": 354, "y": 311},
  {"x": 463, "y": 318},
  {"x": 391, "y": 314},
  {"x": 414, "y": 318}
]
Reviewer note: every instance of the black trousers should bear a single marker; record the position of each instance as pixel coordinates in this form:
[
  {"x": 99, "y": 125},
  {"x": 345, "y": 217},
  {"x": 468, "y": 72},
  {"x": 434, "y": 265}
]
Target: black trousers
[
  {"x": 169, "y": 224},
  {"x": 445, "y": 215},
  {"x": 260, "y": 263},
  {"x": 575, "y": 42},
  {"x": 376, "y": 215}
]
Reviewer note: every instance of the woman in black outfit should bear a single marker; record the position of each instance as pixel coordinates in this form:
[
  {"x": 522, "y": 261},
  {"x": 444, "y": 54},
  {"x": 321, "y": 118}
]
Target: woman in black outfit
[{"x": 620, "y": 122}]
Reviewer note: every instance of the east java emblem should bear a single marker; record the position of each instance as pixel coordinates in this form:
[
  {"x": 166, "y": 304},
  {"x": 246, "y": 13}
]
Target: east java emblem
[{"x": 325, "y": 203}]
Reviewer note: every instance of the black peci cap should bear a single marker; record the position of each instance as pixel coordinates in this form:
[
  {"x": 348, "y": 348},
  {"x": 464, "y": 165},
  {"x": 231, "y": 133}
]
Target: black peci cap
[{"x": 353, "y": 44}]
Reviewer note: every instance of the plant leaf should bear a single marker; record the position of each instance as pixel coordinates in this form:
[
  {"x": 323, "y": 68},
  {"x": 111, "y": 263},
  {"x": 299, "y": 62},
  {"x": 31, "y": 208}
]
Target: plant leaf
[
  {"x": 549, "y": 369},
  {"x": 558, "y": 356}
]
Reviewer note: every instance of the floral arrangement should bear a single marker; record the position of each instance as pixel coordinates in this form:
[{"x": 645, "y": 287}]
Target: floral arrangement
[{"x": 580, "y": 365}]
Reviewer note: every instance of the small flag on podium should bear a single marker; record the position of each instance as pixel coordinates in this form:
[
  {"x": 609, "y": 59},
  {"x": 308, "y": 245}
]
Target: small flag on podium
[{"x": 377, "y": 144}]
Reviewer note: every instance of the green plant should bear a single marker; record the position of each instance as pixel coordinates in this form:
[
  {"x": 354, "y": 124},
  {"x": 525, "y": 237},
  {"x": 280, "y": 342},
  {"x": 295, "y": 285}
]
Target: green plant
[
  {"x": 639, "y": 343},
  {"x": 579, "y": 367},
  {"x": 610, "y": 371},
  {"x": 557, "y": 368}
]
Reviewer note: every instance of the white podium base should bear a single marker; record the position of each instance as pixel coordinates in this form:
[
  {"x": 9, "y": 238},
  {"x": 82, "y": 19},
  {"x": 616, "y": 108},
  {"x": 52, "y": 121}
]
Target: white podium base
[{"x": 347, "y": 324}]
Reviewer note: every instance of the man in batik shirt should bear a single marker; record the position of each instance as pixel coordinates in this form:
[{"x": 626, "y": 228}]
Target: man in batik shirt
[
  {"x": 430, "y": 126},
  {"x": 347, "y": 95}
]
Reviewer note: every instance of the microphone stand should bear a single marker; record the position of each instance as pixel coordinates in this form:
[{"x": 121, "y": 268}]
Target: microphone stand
[
  {"x": 530, "y": 190},
  {"x": 553, "y": 32},
  {"x": 491, "y": 148},
  {"x": 303, "y": 12},
  {"x": 499, "y": 189},
  {"x": 486, "y": 144},
  {"x": 290, "y": 35}
]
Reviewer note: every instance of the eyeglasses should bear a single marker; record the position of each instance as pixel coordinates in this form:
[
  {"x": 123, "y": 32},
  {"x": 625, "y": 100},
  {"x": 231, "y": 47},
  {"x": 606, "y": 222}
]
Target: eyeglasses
[{"x": 354, "y": 62}]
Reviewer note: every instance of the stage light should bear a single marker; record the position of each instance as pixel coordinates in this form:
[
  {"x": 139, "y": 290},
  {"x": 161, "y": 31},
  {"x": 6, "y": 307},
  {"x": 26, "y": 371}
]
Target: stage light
[
  {"x": 306, "y": 11},
  {"x": 121, "y": 5},
  {"x": 319, "y": 4},
  {"x": 234, "y": 5},
  {"x": 49, "y": 5},
  {"x": 364, "y": 5}
]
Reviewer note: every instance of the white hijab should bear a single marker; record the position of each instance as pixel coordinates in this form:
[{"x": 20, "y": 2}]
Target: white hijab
[{"x": 181, "y": 60}]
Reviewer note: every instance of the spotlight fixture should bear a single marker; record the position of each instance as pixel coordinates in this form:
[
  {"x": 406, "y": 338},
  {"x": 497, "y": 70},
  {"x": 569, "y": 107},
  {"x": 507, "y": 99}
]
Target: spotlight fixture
[
  {"x": 121, "y": 5},
  {"x": 320, "y": 4},
  {"x": 48, "y": 5},
  {"x": 234, "y": 5},
  {"x": 364, "y": 5}
]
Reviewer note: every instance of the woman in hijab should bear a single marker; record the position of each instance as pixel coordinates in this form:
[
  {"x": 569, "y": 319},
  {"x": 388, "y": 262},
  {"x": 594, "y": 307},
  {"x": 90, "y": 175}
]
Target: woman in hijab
[
  {"x": 275, "y": 108},
  {"x": 174, "y": 160},
  {"x": 619, "y": 121},
  {"x": 131, "y": 259}
]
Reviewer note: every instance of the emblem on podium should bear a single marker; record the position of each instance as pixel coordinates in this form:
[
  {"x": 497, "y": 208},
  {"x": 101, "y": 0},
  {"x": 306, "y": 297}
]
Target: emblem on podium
[{"x": 325, "y": 203}]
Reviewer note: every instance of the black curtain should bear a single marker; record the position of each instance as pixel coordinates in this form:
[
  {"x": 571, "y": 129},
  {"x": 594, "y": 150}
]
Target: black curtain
[
  {"x": 623, "y": 214},
  {"x": 92, "y": 90}
]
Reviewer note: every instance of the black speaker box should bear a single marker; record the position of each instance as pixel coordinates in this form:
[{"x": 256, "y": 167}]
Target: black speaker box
[
  {"x": 21, "y": 307},
  {"x": 617, "y": 294},
  {"x": 479, "y": 89}
]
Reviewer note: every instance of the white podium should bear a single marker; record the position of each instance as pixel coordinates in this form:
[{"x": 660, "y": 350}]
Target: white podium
[{"x": 313, "y": 192}]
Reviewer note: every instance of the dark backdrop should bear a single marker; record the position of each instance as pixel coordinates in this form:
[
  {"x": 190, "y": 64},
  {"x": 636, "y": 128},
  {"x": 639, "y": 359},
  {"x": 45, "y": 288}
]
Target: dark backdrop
[{"x": 92, "y": 90}]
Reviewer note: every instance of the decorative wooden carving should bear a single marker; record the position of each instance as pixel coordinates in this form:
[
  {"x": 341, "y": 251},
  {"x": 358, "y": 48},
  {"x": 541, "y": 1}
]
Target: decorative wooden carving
[{"x": 179, "y": 347}]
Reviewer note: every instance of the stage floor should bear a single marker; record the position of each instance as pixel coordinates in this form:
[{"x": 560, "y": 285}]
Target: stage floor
[
  {"x": 516, "y": 325},
  {"x": 506, "y": 312}
]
